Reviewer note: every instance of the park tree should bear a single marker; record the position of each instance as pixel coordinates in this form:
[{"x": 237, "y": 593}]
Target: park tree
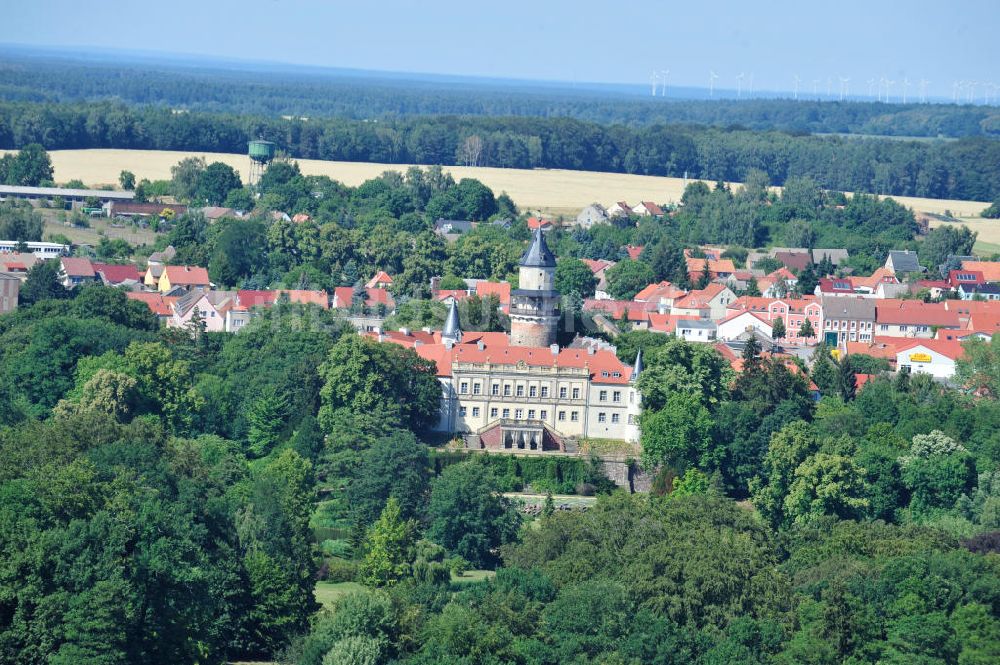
[
  {"x": 945, "y": 241},
  {"x": 42, "y": 283},
  {"x": 396, "y": 466},
  {"x": 678, "y": 434},
  {"x": 468, "y": 516},
  {"x": 573, "y": 275},
  {"x": 267, "y": 417},
  {"x": 806, "y": 329},
  {"x": 788, "y": 449},
  {"x": 826, "y": 484},
  {"x": 385, "y": 381},
  {"x": 627, "y": 277},
  {"x": 389, "y": 547}
]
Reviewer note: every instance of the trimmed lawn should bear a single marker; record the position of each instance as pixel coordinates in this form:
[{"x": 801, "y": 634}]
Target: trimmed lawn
[
  {"x": 470, "y": 576},
  {"x": 328, "y": 593}
]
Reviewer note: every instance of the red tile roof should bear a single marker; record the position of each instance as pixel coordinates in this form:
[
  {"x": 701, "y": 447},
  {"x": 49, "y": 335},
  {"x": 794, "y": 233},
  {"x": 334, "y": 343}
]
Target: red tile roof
[
  {"x": 538, "y": 223},
  {"x": 990, "y": 269},
  {"x": 116, "y": 274},
  {"x": 381, "y": 277},
  {"x": 634, "y": 251},
  {"x": 75, "y": 267},
  {"x": 499, "y": 289},
  {"x": 158, "y": 303},
  {"x": 901, "y": 312},
  {"x": 654, "y": 292},
  {"x": 715, "y": 266},
  {"x": 186, "y": 275},
  {"x": 457, "y": 294},
  {"x": 667, "y": 323},
  {"x": 343, "y": 296},
  {"x": 597, "y": 265}
]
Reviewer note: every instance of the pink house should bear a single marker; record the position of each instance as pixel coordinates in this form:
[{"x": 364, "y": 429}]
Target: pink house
[{"x": 793, "y": 312}]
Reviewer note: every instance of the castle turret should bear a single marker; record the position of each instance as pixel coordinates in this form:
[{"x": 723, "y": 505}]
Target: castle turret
[
  {"x": 452, "y": 331},
  {"x": 534, "y": 306}
]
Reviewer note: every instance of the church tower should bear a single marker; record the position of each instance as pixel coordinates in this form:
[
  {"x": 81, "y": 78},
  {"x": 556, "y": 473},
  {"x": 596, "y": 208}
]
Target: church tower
[{"x": 534, "y": 307}]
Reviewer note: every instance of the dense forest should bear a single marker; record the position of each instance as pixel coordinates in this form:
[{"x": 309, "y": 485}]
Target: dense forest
[
  {"x": 963, "y": 169},
  {"x": 275, "y": 90}
]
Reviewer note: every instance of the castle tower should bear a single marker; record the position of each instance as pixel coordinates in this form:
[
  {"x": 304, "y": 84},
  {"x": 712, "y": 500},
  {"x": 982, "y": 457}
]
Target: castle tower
[{"x": 534, "y": 307}]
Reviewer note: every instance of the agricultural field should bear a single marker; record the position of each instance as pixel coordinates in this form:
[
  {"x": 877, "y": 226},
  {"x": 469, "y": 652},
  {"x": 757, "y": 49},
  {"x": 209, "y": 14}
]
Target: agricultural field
[
  {"x": 988, "y": 241},
  {"x": 551, "y": 191}
]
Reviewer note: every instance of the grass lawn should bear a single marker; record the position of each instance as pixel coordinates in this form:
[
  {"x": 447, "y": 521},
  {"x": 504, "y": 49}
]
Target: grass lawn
[
  {"x": 470, "y": 576},
  {"x": 328, "y": 593},
  {"x": 90, "y": 236}
]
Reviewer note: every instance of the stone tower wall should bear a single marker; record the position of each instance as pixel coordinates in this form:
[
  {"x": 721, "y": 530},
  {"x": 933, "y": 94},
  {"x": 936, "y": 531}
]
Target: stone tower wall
[{"x": 524, "y": 332}]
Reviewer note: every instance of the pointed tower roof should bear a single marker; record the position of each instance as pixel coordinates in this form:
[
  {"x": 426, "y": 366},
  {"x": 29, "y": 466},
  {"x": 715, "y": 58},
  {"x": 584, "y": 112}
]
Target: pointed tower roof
[
  {"x": 452, "y": 329},
  {"x": 638, "y": 367},
  {"x": 538, "y": 255}
]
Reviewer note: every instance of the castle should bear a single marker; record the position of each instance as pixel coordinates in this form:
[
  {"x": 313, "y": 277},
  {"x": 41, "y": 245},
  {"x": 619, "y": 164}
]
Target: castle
[{"x": 524, "y": 392}]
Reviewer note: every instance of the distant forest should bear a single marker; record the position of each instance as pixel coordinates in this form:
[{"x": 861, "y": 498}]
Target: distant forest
[
  {"x": 312, "y": 93},
  {"x": 962, "y": 169}
]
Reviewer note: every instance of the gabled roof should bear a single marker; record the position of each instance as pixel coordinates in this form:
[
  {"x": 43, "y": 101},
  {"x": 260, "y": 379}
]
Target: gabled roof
[
  {"x": 501, "y": 290},
  {"x": 186, "y": 275},
  {"x": 597, "y": 265},
  {"x": 116, "y": 274},
  {"x": 715, "y": 266},
  {"x": 990, "y": 269},
  {"x": 76, "y": 267},
  {"x": 795, "y": 260},
  {"x": 904, "y": 261},
  {"x": 381, "y": 277},
  {"x": 634, "y": 251},
  {"x": 736, "y": 315},
  {"x": 949, "y": 348},
  {"x": 654, "y": 292},
  {"x": 835, "y": 285},
  {"x": 651, "y": 208},
  {"x": 451, "y": 294},
  {"x": 217, "y": 212},
  {"x": 898, "y": 312},
  {"x": 839, "y": 307},
  {"x": 667, "y": 323},
  {"x": 700, "y": 298},
  {"x": 881, "y": 275},
  {"x": 535, "y": 223},
  {"x": 343, "y": 296},
  {"x": 158, "y": 303},
  {"x": 837, "y": 256}
]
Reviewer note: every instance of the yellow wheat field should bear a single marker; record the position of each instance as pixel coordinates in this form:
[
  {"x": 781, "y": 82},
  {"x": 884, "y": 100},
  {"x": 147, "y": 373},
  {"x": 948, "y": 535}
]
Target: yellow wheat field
[{"x": 552, "y": 191}]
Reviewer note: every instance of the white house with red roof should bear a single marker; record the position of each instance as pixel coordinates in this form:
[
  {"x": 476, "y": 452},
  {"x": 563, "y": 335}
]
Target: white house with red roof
[
  {"x": 913, "y": 318},
  {"x": 381, "y": 280},
  {"x": 929, "y": 356},
  {"x": 75, "y": 271},
  {"x": 647, "y": 209},
  {"x": 777, "y": 284},
  {"x": 662, "y": 295},
  {"x": 707, "y": 303},
  {"x": 619, "y": 209},
  {"x": 736, "y": 324}
]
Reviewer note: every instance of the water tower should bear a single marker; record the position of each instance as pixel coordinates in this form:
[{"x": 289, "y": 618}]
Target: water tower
[{"x": 261, "y": 153}]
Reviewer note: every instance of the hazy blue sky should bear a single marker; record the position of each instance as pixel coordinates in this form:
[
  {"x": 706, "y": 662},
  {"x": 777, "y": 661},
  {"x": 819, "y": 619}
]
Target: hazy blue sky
[{"x": 618, "y": 41}]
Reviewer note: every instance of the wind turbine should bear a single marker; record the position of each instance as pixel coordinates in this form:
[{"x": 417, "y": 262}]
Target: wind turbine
[
  {"x": 751, "y": 85},
  {"x": 845, "y": 89},
  {"x": 955, "y": 88},
  {"x": 739, "y": 85},
  {"x": 888, "y": 87},
  {"x": 797, "y": 81},
  {"x": 871, "y": 86},
  {"x": 711, "y": 82},
  {"x": 829, "y": 87},
  {"x": 906, "y": 86},
  {"x": 972, "y": 91},
  {"x": 653, "y": 80},
  {"x": 923, "y": 90},
  {"x": 664, "y": 73},
  {"x": 883, "y": 82},
  {"x": 816, "y": 88}
]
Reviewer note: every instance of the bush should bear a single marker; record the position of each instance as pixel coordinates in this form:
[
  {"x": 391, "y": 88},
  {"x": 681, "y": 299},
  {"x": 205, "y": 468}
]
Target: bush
[{"x": 338, "y": 570}]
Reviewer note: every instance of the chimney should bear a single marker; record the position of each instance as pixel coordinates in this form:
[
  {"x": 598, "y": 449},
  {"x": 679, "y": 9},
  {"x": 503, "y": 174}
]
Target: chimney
[
  {"x": 448, "y": 343},
  {"x": 427, "y": 329},
  {"x": 405, "y": 331},
  {"x": 554, "y": 348},
  {"x": 480, "y": 345},
  {"x": 591, "y": 350}
]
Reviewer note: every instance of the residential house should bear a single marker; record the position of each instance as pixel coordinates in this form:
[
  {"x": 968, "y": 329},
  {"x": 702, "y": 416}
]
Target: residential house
[
  {"x": 10, "y": 286},
  {"x": 717, "y": 268},
  {"x": 619, "y": 209},
  {"x": 452, "y": 227},
  {"x": 344, "y": 297},
  {"x": 793, "y": 312},
  {"x": 485, "y": 289},
  {"x": 795, "y": 259},
  {"x": 913, "y": 318},
  {"x": 696, "y": 330},
  {"x": 185, "y": 277},
  {"x": 847, "y": 319},
  {"x": 212, "y": 307},
  {"x": 162, "y": 258},
  {"x": 151, "y": 278},
  {"x": 836, "y": 256},
  {"x": 661, "y": 295},
  {"x": 249, "y": 299},
  {"x": 989, "y": 269},
  {"x": 535, "y": 223},
  {"x": 707, "y": 303},
  {"x": 159, "y": 304},
  {"x": 17, "y": 263},
  {"x": 381, "y": 280},
  {"x": 75, "y": 271},
  {"x": 448, "y": 296},
  {"x": 989, "y": 291},
  {"x": 666, "y": 323},
  {"x": 215, "y": 213},
  {"x": 777, "y": 284},
  {"x": 600, "y": 267},
  {"x": 647, "y": 209},
  {"x": 734, "y": 325},
  {"x": 595, "y": 213},
  {"x": 903, "y": 263},
  {"x": 118, "y": 275}
]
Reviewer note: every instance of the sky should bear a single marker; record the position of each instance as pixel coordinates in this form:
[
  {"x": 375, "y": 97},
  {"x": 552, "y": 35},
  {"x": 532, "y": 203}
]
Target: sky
[{"x": 562, "y": 40}]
